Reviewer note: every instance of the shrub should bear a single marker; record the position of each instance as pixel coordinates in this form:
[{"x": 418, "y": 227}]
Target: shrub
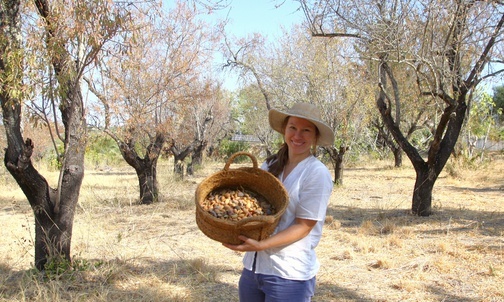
[{"x": 228, "y": 148}]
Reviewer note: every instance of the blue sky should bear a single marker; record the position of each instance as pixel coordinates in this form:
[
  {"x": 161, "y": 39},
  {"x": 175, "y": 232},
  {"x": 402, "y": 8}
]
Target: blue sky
[
  {"x": 258, "y": 16},
  {"x": 250, "y": 16},
  {"x": 246, "y": 17}
]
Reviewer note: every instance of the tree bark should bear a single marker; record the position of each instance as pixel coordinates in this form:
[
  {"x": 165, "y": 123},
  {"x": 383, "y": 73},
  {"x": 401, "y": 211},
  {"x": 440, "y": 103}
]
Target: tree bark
[
  {"x": 422, "y": 192},
  {"x": 389, "y": 142},
  {"x": 179, "y": 156},
  {"x": 196, "y": 157},
  {"x": 397, "y": 157},
  {"x": 146, "y": 167},
  {"x": 147, "y": 180},
  {"x": 54, "y": 209},
  {"x": 338, "y": 168},
  {"x": 53, "y": 218},
  {"x": 337, "y": 162}
]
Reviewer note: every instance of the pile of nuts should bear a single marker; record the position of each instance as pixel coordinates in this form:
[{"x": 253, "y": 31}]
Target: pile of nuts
[{"x": 236, "y": 204}]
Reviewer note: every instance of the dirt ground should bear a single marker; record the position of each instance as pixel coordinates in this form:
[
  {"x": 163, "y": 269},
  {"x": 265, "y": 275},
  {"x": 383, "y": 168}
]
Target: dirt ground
[{"x": 372, "y": 248}]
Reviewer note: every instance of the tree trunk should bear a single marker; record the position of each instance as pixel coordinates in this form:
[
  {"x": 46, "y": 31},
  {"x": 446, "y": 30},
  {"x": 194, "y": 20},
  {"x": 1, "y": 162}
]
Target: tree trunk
[
  {"x": 422, "y": 192},
  {"x": 338, "y": 168},
  {"x": 147, "y": 179},
  {"x": 145, "y": 168},
  {"x": 337, "y": 162},
  {"x": 397, "y": 157},
  {"x": 178, "y": 167},
  {"x": 54, "y": 209},
  {"x": 197, "y": 154},
  {"x": 179, "y": 157},
  {"x": 386, "y": 138},
  {"x": 196, "y": 157}
]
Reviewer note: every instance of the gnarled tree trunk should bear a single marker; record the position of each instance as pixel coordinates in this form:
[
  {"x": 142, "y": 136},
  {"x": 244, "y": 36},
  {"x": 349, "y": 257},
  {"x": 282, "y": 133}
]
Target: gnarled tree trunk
[
  {"x": 146, "y": 167},
  {"x": 179, "y": 155},
  {"x": 196, "y": 156},
  {"x": 337, "y": 162}
]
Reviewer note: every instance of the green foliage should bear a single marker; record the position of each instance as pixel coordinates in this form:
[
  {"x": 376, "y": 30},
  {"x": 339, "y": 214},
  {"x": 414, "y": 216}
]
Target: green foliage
[
  {"x": 51, "y": 158},
  {"x": 12, "y": 71},
  {"x": 498, "y": 99},
  {"x": 456, "y": 166},
  {"x": 420, "y": 138},
  {"x": 59, "y": 267},
  {"x": 483, "y": 117},
  {"x": 101, "y": 149},
  {"x": 228, "y": 147},
  {"x": 56, "y": 267}
]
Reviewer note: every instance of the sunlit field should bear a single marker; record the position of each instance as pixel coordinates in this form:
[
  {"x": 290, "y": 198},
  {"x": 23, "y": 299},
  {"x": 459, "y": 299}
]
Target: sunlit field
[{"x": 372, "y": 248}]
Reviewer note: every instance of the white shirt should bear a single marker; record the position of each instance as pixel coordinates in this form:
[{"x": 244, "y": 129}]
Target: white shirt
[{"x": 309, "y": 186}]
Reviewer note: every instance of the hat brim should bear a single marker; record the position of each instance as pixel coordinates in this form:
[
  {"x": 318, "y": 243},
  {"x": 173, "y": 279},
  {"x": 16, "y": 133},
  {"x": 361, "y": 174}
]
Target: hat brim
[{"x": 277, "y": 118}]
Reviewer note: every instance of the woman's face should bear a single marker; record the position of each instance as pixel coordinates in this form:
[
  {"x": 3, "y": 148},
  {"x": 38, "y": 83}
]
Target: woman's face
[{"x": 300, "y": 135}]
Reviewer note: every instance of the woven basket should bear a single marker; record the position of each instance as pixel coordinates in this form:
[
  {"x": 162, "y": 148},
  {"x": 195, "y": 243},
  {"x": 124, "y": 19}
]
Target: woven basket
[{"x": 250, "y": 179}]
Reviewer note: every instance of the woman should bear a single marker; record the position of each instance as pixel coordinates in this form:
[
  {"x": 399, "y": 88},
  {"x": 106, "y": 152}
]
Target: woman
[{"x": 283, "y": 266}]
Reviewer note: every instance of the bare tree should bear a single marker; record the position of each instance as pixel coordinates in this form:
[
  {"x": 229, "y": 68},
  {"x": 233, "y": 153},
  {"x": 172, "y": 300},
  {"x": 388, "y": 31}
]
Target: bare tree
[
  {"x": 133, "y": 94},
  {"x": 212, "y": 121},
  {"x": 250, "y": 56},
  {"x": 72, "y": 36},
  {"x": 148, "y": 90},
  {"x": 243, "y": 55},
  {"x": 206, "y": 114},
  {"x": 448, "y": 46}
]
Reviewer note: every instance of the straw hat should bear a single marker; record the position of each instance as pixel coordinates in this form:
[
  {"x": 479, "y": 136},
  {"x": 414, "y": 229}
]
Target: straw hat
[{"x": 308, "y": 112}]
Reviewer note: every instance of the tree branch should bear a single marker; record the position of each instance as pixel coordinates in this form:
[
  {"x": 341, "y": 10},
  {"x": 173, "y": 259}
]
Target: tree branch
[{"x": 483, "y": 59}]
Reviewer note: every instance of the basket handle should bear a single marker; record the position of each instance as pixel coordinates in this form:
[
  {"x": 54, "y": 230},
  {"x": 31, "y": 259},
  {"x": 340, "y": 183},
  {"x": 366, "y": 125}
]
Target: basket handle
[
  {"x": 262, "y": 219},
  {"x": 235, "y": 155}
]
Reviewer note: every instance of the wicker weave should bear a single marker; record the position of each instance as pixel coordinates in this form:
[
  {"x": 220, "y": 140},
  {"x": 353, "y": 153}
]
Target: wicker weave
[{"x": 250, "y": 179}]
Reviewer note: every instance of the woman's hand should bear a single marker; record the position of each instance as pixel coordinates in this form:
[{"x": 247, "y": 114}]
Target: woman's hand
[
  {"x": 298, "y": 230},
  {"x": 248, "y": 245}
]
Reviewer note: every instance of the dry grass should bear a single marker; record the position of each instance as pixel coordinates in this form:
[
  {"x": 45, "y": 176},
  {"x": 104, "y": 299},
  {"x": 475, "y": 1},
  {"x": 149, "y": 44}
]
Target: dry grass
[{"x": 372, "y": 248}]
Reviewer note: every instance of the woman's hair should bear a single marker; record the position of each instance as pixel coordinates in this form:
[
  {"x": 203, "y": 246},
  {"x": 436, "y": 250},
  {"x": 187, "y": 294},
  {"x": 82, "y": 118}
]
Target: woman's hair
[{"x": 277, "y": 162}]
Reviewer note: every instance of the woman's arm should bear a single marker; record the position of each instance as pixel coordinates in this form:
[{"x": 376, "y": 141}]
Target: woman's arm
[{"x": 298, "y": 230}]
